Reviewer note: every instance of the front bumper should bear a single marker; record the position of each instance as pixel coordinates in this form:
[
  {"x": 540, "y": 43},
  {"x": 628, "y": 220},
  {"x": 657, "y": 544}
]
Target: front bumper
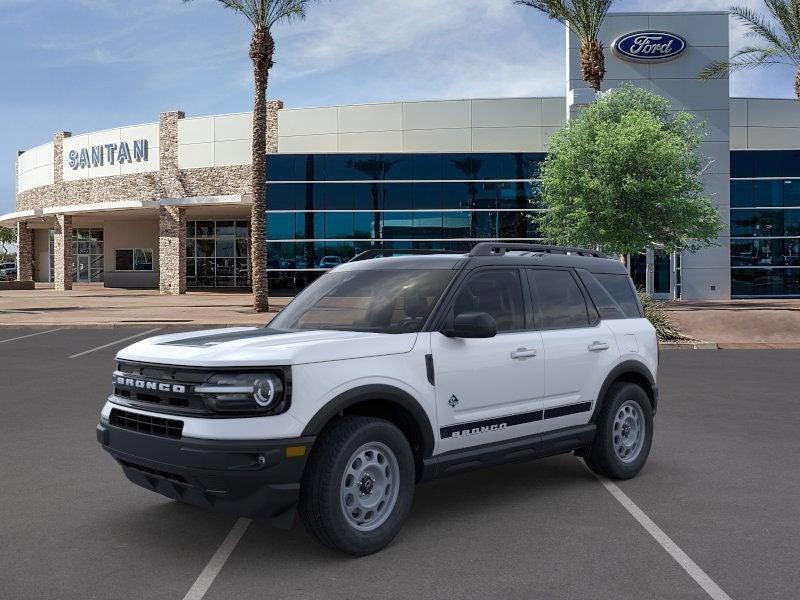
[{"x": 248, "y": 478}]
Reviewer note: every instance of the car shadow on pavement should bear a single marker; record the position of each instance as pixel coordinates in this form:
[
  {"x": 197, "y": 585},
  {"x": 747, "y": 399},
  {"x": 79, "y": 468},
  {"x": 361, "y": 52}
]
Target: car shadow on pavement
[{"x": 442, "y": 507}]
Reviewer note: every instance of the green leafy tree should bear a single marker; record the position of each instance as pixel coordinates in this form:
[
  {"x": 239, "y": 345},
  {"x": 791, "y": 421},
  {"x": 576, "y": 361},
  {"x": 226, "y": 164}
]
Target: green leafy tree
[
  {"x": 626, "y": 175},
  {"x": 8, "y": 236},
  {"x": 778, "y": 40},
  {"x": 584, "y": 19},
  {"x": 263, "y": 15}
]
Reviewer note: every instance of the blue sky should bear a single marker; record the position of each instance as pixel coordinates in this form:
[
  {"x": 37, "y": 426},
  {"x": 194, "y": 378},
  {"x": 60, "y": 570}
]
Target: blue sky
[{"x": 84, "y": 65}]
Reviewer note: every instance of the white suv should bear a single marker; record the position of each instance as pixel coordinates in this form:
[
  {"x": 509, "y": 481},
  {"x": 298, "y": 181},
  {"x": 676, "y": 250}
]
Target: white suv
[{"x": 385, "y": 372}]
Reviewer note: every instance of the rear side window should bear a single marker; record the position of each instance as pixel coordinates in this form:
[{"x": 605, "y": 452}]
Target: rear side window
[
  {"x": 607, "y": 307},
  {"x": 558, "y": 299},
  {"x": 618, "y": 286}
]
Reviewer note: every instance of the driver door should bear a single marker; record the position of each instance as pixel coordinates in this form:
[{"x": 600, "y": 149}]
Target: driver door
[{"x": 489, "y": 389}]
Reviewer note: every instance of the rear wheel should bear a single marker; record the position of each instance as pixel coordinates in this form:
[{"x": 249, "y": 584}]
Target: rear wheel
[
  {"x": 357, "y": 489},
  {"x": 624, "y": 433}
]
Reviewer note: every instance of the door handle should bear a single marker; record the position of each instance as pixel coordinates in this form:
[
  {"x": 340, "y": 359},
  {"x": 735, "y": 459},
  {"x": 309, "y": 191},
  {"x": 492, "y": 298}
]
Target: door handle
[
  {"x": 523, "y": 353},
  {"x": 597, "y": 346}
]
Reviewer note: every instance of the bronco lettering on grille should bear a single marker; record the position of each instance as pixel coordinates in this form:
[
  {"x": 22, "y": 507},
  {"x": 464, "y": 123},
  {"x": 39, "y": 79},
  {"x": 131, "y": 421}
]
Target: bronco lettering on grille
[{"x": 154, "y": 386}]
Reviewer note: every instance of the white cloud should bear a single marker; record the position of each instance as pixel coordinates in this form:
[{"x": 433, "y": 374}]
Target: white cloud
[{"x": 427, "y": 49}]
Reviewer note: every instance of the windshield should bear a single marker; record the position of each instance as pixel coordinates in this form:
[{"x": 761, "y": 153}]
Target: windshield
[{"x": 391, "y": 301}]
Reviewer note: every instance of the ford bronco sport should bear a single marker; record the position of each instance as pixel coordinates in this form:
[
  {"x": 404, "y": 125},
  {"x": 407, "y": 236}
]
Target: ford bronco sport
[{"x": 387, "y": 371}]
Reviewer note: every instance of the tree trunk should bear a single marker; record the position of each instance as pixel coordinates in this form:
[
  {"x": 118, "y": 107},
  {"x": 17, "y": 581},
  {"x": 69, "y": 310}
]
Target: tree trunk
[
  {"x": 262, "y": 47},
  {"x": 376, "y": 214},
  {"x": 593, "y": 64},
  {"x": 797, "y": 84}
]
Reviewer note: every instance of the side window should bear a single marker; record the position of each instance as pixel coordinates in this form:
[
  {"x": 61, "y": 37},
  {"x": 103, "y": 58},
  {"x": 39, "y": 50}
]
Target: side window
[
  {"x": 558, "y": 299},
  {"x": 619, "y": 287},
  {"x": 607, "y": 307},
  {"x": 497, "y": 292}
]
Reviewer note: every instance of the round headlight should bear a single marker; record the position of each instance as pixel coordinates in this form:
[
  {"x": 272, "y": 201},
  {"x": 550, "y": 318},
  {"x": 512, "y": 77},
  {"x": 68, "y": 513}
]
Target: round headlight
[{"x": 267, "y": 391}]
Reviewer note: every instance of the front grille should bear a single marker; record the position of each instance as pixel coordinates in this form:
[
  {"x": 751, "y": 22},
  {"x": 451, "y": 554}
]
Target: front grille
[
  {"x": 157, "y": 472},
  {"x": 185, "y": 402},
  {"x": 169, "y": 428}
]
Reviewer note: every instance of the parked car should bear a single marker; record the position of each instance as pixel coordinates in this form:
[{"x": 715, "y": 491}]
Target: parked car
[
  {"x": 328, "y": 262},
  {"x": 8, "y": 271},
  {"x": 386, "y": 372}
]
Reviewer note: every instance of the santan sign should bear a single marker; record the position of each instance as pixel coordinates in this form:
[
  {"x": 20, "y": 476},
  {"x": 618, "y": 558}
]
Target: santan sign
[
  {"x": 649, "y": 46},
  {"x": 97, "y": 156}
]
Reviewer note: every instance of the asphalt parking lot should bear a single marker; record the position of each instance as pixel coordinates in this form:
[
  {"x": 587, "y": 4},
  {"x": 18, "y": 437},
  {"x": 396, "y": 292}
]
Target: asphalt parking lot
[{"x": 722, "y": 482}]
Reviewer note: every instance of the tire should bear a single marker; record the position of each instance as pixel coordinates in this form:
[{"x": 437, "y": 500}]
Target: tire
[
  {"x": 364, "y": 461},
  {"x": 614, "y": 453}
]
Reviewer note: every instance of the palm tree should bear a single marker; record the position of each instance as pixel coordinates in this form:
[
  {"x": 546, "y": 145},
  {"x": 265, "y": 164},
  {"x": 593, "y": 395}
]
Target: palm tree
[
  {"x": 584, "y": 19},
  {"x": 262, "y": 15},
  {"x": 780, "y": 41}
]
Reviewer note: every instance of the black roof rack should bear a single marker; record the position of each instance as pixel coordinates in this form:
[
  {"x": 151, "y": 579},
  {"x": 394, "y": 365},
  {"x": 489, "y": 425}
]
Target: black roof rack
[
  {"x": 500, "y": 248},
  {"x": 380, "y": 252}
]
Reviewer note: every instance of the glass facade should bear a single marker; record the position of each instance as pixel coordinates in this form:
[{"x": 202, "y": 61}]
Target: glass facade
[
  {"x": 217, "y": 254},
  {"x": 326, "y": 208},
  {"x": 765, "y": 223}
]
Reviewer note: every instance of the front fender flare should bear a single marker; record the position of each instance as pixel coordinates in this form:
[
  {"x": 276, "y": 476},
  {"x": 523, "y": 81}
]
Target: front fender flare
[{"x": 374, "y": 392}]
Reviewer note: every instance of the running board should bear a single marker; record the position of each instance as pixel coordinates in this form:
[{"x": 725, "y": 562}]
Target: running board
[{"x": 528, "y": 448}]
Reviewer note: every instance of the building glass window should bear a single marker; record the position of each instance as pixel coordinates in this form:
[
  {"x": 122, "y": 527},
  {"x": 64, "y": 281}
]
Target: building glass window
[
  {"x": 321, "y": 206},
  {"x": 218, "y": 252},
  {"x": 133, "y": 259},
  {"x": 765, "y": 223}
]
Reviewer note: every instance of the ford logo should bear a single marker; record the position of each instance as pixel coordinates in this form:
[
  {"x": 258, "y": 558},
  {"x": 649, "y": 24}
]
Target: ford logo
[{"x": 649, "y": 46}]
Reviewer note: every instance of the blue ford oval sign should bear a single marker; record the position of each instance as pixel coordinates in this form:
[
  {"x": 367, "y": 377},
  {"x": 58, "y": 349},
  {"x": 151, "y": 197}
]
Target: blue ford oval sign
[{"x": 649, "y": 46}]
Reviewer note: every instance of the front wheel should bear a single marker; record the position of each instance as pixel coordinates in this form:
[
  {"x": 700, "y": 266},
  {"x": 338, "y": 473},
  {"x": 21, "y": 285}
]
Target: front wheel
[
  {"x": 357, "y": 489},
  {"x": 624, "y": 433}
]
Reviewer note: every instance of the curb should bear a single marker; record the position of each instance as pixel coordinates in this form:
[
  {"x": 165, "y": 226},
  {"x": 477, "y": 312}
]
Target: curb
[{"x": 689, "y": 345}]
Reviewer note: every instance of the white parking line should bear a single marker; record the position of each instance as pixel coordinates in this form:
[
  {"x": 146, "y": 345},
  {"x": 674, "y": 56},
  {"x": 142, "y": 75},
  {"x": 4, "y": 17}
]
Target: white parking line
[
  {"x": 214, "y": 566},
  {"x": 22, "y": 337},
  {"x": 115, "y": 343},
  {"x": 695, "y": 572}
]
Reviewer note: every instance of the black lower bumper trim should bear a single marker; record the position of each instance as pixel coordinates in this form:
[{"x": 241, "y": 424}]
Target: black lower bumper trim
[{"x": 251, "y": 478}]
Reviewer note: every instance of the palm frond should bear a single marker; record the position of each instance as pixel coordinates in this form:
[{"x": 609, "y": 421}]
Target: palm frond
[
  {"x": 759, "y": 26},
  {"x": 583, "y": 17},
  {"x": 784, "y": 13},
  {"x": 263, "y": 14},
  {"x": 745, "y": 58}
]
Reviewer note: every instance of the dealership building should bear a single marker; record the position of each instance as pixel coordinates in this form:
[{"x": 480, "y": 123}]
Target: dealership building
[{"x": 167, "y": 204}]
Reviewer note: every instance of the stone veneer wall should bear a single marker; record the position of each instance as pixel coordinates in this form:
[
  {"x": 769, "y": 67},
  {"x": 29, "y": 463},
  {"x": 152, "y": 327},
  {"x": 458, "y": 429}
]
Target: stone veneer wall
[
  {"x": 171, "y": 250},
  {"x": 24, "y": 252},
  {"x": 62, "y": 250}
]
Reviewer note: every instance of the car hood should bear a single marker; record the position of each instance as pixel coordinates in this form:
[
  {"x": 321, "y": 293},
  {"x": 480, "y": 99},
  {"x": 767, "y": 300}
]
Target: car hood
[{"x": 258, "y": 346}]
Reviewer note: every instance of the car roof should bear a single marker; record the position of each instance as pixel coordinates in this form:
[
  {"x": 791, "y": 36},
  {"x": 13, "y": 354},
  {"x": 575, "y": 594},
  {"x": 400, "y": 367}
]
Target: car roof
[{"x": 514, "y": 258}]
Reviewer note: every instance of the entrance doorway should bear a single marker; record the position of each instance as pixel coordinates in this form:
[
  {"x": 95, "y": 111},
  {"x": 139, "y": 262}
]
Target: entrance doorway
[
  {"x": 87, "y": 255},
  {"x": 656, "y": 272}
]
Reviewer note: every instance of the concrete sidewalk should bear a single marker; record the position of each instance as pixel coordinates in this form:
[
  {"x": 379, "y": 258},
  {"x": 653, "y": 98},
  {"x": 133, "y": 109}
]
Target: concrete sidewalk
[
  {"x": 740, "y": 323},
  {"x": 93, "y": 305}
]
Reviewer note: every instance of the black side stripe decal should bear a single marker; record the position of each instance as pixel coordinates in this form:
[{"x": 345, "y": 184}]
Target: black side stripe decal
[
  {"x": 570, "y": 409},
  {"x": 489, "y": 424},
  {"x": 486, "y": 425}
]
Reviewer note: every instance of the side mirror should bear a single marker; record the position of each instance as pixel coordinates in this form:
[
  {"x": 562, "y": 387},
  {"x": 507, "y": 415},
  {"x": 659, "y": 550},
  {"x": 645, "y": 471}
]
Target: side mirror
[{"x": 473, "y": 325}]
